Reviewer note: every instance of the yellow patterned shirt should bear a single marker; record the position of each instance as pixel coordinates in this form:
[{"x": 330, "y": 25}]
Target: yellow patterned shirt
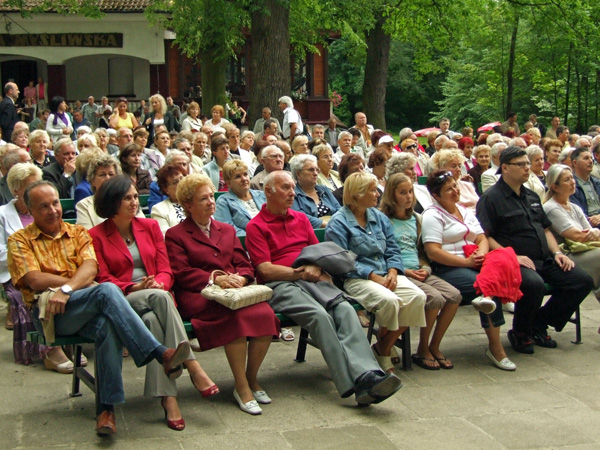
[{"x": 30, "y": 249}]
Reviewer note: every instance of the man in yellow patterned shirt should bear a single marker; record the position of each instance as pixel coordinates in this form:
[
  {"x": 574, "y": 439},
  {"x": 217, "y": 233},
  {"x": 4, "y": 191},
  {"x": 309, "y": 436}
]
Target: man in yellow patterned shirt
[{"x": 51, "y": 254}]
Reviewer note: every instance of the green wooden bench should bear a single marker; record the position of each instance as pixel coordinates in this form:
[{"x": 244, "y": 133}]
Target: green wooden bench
[{"x": 80, "y": 374}]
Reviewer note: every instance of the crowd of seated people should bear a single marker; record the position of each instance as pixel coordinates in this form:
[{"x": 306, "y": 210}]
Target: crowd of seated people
[{"x": 524, "y": 203}]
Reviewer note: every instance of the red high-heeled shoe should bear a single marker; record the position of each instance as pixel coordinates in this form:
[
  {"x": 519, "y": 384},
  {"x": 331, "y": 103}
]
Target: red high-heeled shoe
[
  {"x": 213, "y": 390},
  {"x": 208, "y": 392},
  {"x": 177, "y": 425}
]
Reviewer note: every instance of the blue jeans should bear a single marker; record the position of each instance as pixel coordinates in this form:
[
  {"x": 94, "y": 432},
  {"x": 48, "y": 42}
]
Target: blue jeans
[
  {"x": 102, "y": 314},
  {"x": 463, "y": 278}
]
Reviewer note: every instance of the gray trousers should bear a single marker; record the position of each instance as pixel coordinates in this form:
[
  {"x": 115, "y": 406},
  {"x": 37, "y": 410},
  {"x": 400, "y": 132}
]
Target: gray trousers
[
  {"x": 337, "y": 332},
  {"x": 158, "y": 312}
]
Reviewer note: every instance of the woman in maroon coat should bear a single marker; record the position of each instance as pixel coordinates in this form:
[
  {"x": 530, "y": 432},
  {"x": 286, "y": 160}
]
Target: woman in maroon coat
[
  {"x": 131, "y": 254},
  {"x": 198, "y": 246}
]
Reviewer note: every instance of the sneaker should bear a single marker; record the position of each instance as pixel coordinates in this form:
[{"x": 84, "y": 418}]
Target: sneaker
[
  {"x": 484, "y": 304},
  {"x": 520, "y": 342},
  {"x": 542, "y": 339},
  {"x": 509, "y": 307}
]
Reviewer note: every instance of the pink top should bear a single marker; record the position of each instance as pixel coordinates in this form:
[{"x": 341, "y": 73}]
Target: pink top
[{"x": 29, "y": 92}]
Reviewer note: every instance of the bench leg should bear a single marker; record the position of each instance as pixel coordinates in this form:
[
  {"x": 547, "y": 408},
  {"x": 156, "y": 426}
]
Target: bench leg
[
  {"x": 577, "y": 322},
  {"x": 302, "y": 342},
  {"x": 77, "y": 364},
  {"x": 405, "y": 348}
]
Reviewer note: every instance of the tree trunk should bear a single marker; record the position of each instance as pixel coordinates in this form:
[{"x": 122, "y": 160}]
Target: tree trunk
[
  {"x": 376, "y": 71},
  {"x": 511, "y": 66},
  {"x": 270, "y": 59},
  {"x": 568, "y": 86},
  {"x": 212, "y": 72}
]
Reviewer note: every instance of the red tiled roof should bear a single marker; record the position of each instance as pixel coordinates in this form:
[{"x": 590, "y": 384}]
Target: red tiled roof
[{"x": 105, "y": 5}]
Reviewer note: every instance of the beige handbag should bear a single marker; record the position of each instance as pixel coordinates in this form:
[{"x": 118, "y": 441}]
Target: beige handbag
[{"x": 235, "y": 298}]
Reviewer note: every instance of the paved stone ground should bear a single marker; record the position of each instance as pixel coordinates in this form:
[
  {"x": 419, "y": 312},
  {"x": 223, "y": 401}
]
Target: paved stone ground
[{"x": 551, "y": 401}]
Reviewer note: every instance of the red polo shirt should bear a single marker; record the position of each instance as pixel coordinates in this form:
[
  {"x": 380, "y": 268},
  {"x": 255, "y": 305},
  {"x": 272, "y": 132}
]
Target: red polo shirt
[{"x": 278, "y": 239}]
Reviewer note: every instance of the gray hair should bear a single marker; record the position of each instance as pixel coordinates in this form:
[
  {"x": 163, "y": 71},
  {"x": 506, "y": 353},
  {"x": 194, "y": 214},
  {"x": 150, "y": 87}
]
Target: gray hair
[
  {"x": 269, "y": 181},
  {"x": 269, "y": 147},
  {"x": 247, "y": 133},
  {"x": 564, "y": 154},
  {"x": 404, "y": 133},
  {"x": 57, "y": 147},
  {"x": 297, "y": 163},
  {"x": 87, "y": 137},
  {"x": 173, "y": 153},
  {"x": 318, "y": 149},
  {"x": 534, "y": 150},
  {"x": 398, "y": 163},
  {"x": 497, "y": 148},
  {"x": 287, "y": 100},
  {"x": 552, "y": 176},
  {"x": 10, "y": 159},
  {"x": 344, "y": 134},
  {"x": 493, "y": 139},
  {"x": 84, "y": 128}
]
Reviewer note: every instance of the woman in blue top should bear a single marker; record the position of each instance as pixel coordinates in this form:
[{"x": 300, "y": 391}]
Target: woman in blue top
[
  {"x": 377, "y": 282},
  {"x": 238, "y": 206},
  {"x": 443, "y": 299},
  {"x": 316, "y": 201}
]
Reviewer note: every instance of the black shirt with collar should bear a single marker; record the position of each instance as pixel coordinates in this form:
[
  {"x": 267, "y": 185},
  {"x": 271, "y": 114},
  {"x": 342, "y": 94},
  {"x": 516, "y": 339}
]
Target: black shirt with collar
[{"x": 516, "y": 221}]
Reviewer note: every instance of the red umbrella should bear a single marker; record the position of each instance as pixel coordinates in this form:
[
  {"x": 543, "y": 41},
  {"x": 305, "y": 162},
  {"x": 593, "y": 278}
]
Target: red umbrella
[
  {"x": 425, "y": 131},
  {"x": 488, "y": 126}
]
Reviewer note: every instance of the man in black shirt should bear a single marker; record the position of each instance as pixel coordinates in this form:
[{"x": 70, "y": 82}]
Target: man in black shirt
[{"x": 512, "y": 216}]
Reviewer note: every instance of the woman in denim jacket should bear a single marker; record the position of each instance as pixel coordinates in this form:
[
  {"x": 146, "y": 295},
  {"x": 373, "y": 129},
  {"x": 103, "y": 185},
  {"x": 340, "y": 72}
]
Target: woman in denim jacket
[
  {"x": 377, "y": 282},
  {"x": 316, "y": 201}
]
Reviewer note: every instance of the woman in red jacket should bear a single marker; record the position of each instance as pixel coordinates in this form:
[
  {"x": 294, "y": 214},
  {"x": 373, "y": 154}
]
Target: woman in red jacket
[{"x": 131, "y": 254}]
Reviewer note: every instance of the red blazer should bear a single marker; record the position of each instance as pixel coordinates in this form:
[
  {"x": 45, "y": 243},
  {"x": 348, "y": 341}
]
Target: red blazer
[
  {"x": 194, "y": 256},
  {"x": 114, "y": 258}
]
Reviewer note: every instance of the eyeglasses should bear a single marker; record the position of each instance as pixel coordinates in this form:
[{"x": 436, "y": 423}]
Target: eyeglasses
[
  {"x": 521, "y": 164},
  {"x": 411, "y": 146},
  {"x": 441, "y": 179},
  {"x": 274, "y": 157},
  {"x": 313, "y": 170}
]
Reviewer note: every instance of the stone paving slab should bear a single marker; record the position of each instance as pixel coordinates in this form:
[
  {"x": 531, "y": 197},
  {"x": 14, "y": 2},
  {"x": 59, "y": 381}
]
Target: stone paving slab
[{"x": 552, "y": 401}]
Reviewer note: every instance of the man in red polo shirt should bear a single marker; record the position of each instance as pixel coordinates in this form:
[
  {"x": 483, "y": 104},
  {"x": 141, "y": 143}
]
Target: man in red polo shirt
[{"x": 274, "y": 239}]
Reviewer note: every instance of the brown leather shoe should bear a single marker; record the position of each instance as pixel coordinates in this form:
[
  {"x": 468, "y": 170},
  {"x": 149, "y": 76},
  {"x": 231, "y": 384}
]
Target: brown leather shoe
[
  {"x": 105, "y": 423},
  {"x": 174, "y": 358}
]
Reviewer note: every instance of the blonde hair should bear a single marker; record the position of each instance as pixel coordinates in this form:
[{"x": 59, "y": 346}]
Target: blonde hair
[
  {"x": 318, "y": 149},
  {"x": 231, "y": 167},
  {"x": 19, "y": 173},
  {"x": 443, "y": 157},
  {"x": 163, "y": 102},
  {"x": 82, "y": 163},
  {"x": 356, "y": 186},
  {"x": 188, "y": 187},
  {"x": 103, "y": 160}
]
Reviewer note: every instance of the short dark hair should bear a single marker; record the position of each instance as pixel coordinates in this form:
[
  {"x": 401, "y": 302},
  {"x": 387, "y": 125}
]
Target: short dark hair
[
  {"x": 575, "y": 154},
  {"x": 167, "y": 171},
  {"x": 436, "y": 180},
  {"x": 268, "y": 123},
  {"x": 27, "y": 194},
  {"x": 561, "y": 129},
  {"x": 346, "y": 162},
  {"x": 354, "y": 131},
  {"x": 107, "y": 200},
  {"x": 217, "y": 142}
]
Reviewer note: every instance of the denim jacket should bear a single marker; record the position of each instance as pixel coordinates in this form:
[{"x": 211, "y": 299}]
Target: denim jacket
[
  {"x": 231, "y": 210},
  {"x": 305, "y": 204},
  {"x": 375, "y": 245}
]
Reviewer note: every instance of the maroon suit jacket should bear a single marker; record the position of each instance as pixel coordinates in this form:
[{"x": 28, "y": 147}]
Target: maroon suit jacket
[
  {"x": 194, "y": 256},
  {"x": 114, "y": 258}
]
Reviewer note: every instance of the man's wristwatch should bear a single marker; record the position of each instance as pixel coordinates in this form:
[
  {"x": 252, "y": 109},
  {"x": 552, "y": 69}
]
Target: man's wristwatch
[
  {"x": 558, "y": 253},
  {"x": 66, "y": 289}
]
